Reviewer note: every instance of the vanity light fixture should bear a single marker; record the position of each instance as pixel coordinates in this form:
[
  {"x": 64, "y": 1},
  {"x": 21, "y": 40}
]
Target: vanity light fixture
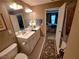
[
  {"x": 15, "y": 6},
  {"x": 28, "y": 10}
]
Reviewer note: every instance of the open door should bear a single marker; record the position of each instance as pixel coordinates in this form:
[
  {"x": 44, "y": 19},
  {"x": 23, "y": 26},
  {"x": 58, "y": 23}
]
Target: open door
[{"x": 60, "y": 25}]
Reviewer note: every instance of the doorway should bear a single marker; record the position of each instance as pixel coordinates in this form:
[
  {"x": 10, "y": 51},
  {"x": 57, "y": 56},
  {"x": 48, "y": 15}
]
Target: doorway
[
  {"x": 51, "y": 22},
  {"x": 56, "y": 21},
  {"x": 54, "y": 24},
  {"x": 20, "y": 21}
]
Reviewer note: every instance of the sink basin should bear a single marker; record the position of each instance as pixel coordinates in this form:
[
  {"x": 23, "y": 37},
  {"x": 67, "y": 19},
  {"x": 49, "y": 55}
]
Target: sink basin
[{"x": 25, "y": 34}]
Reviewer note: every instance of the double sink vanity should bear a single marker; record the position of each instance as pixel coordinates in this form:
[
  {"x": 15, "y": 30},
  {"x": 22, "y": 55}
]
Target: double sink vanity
[{"x": 28, "y": 39}]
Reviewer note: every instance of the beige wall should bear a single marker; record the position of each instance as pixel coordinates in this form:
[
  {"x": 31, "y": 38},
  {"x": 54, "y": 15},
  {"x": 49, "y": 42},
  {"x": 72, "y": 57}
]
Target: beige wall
[
  {"x": 6, "y": 38},
  {"x": 72, "y": 50},
  {"x": 39, "y": 11}
]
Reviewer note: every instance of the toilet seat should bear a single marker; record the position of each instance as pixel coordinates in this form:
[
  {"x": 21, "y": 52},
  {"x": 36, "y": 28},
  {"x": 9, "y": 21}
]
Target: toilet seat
[{"x": 21, "y": 56}]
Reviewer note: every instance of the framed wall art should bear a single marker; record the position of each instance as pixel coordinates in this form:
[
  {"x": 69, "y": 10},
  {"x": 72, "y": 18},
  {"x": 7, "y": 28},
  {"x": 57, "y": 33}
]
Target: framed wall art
[{"x": 2, "y": 23}]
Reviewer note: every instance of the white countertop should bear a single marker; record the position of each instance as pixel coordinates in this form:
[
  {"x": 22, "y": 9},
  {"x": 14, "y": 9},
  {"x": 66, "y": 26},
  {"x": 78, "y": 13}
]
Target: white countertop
[
  {"x": 37, "y": 28},
  {"x": 27, "y": 33}
]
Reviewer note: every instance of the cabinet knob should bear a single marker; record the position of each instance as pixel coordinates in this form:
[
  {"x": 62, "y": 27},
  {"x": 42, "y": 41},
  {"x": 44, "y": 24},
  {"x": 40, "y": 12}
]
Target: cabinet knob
[{"x": 24, "y": 43}]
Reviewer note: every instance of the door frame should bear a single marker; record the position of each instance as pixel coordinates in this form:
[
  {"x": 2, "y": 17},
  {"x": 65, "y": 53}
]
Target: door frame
[
  {"x": 45, "y": 29},
  {"x": 49, "y": 9}
]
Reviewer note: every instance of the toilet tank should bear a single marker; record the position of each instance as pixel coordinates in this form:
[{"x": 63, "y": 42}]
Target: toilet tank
[{"x": 10, "y": 52}]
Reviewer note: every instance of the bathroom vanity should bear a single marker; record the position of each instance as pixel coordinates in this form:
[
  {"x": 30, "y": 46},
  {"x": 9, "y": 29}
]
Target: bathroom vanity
[{"x": 28, "y": 40}]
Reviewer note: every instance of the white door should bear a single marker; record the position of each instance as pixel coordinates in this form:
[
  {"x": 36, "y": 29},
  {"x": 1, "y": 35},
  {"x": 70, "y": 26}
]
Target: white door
[
  {"x": 15, "y": 23},
  {"x": 60, "y": 25}
]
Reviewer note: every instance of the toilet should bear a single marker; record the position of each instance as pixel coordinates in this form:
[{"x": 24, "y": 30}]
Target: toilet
[{"x": 12, "y": 53}]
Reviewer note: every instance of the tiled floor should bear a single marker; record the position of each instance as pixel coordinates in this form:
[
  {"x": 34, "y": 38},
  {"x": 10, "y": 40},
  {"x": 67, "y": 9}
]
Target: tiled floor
[
  {"x": 48, "y": 50},
  {"x": 51, "y": 35}
]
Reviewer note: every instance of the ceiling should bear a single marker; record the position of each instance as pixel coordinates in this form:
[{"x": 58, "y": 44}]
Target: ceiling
[{"x": 37, "y": 2}]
